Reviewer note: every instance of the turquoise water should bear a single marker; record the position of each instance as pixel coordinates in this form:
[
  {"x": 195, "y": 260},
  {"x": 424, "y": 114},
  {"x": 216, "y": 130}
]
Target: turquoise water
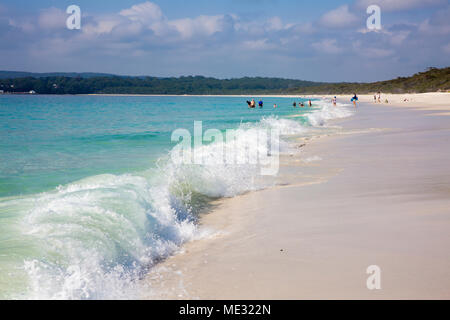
[
  {"x": 89, "y": 197},
  {"x": 47, "y": 141}
]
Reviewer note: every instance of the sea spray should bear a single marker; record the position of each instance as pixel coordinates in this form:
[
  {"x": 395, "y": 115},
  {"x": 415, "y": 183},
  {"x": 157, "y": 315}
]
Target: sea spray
[{"x": 327, "y": 112}]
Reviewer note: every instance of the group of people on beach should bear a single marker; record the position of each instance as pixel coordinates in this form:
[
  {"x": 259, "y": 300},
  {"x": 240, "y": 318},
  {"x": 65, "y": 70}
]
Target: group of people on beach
[
  {"x": 252, "y": 104},
  {"x": 354, "y": 99},
  {"x": 377, "y": 98}
]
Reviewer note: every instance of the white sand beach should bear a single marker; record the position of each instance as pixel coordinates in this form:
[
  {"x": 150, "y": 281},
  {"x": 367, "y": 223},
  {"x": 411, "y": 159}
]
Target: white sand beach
[
  {"x": 432, "y": 101},
  {"x": 377, "y": 194}
]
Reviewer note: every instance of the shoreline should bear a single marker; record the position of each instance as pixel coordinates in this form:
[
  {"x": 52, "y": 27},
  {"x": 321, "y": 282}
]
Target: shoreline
[
  {"x": 424, "y": 101},
  {"x": 286, "y": 243},
  {"x": 392, "y": 97}
]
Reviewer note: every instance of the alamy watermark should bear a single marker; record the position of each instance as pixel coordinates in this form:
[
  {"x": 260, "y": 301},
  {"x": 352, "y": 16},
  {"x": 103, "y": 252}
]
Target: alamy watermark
[
  {"x": 374, "y": 20},
  {"x": 374, "y": 280},
  {"x": 255, "y": 146},
  {"x": 73, "y": 22}
]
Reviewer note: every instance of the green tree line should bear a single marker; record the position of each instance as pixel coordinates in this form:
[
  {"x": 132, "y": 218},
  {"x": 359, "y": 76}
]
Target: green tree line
[
  {"x": 431, "y": 80},
  {"x": 148, "y": 85}
]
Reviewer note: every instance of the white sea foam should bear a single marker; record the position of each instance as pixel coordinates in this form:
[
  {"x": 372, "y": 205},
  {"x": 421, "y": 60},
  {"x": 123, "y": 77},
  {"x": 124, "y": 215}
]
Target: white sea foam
[{"x": 328, "y": 112}]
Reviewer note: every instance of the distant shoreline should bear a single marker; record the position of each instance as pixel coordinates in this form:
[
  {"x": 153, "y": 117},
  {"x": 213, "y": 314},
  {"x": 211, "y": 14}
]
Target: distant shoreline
[{"x": 313, "y": 95}]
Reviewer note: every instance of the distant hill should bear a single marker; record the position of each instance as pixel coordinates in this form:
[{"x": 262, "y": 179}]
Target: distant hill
[
  {"x": 88, "y": 83},
  {"x": 432, "y": 80},
  {"x": 149, "y": 85},
  {"x": 21, "y": 74}
]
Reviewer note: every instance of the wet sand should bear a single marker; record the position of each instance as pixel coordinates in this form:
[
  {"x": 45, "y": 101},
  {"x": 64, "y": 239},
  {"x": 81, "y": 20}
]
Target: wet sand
[{"x": 378, "y": 193}]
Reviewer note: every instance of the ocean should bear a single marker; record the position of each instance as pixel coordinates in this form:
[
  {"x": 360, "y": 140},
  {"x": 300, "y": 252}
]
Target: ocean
[{"x": 91, "y": 199}]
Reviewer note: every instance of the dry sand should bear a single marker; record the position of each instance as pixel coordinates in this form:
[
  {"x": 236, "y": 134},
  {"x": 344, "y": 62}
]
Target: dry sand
[
  {"x": 433, "y": 101},
  {"x": 376, "y": 194}
]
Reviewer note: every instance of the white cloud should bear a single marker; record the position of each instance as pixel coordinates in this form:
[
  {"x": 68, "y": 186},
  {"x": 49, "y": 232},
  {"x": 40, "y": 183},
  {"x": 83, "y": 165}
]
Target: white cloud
[
  {"x": 427, "y": 28},
  {"x": 202, "y": 25},
  {"x": 327, "y": 46},
  {"x": 399, "y": 5},
  {"x": 102, "y": 25},
  {"x": 338, "y": 18},
  {"x": 24, "y": 26},
  {"x": 274, "y": 24},
  {"x": 149, "y": 16},
  {"x": 397, "y": 38},
  {"x": 305, "y": 28},
  {"x": 260, "y": 44},
  {"x": 438, "y": 24},
  {"x": 52, "y": 18},
  {"x": 146, "y": 13}
]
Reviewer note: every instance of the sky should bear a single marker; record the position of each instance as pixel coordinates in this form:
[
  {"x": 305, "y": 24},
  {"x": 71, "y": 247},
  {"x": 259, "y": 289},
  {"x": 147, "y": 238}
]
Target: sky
[{"x": 311, "y": 40}]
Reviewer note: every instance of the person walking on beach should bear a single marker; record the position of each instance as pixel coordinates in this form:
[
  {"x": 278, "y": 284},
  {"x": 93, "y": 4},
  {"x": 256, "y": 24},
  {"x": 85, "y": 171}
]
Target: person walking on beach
[
  {"x": 379, "y": 97},
  {"x": 375, "y": 98},
  {"x": 354, "y": 99}
]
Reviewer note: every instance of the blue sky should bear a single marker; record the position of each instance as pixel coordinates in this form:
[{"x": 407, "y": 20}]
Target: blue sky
[{"x": 313, "y": 40}]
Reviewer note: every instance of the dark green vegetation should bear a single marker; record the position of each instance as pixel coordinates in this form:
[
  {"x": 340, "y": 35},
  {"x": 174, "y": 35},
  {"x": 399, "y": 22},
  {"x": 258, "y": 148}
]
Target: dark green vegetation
[
  {"x": 431, "y": 80},
  {"x": 150, "y": 85}
]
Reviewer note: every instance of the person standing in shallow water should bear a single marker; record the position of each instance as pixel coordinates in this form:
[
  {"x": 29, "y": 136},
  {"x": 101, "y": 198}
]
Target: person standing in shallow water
[
  {"x": 354, "y": 99},
  {"x": 260, "y": 103}
]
